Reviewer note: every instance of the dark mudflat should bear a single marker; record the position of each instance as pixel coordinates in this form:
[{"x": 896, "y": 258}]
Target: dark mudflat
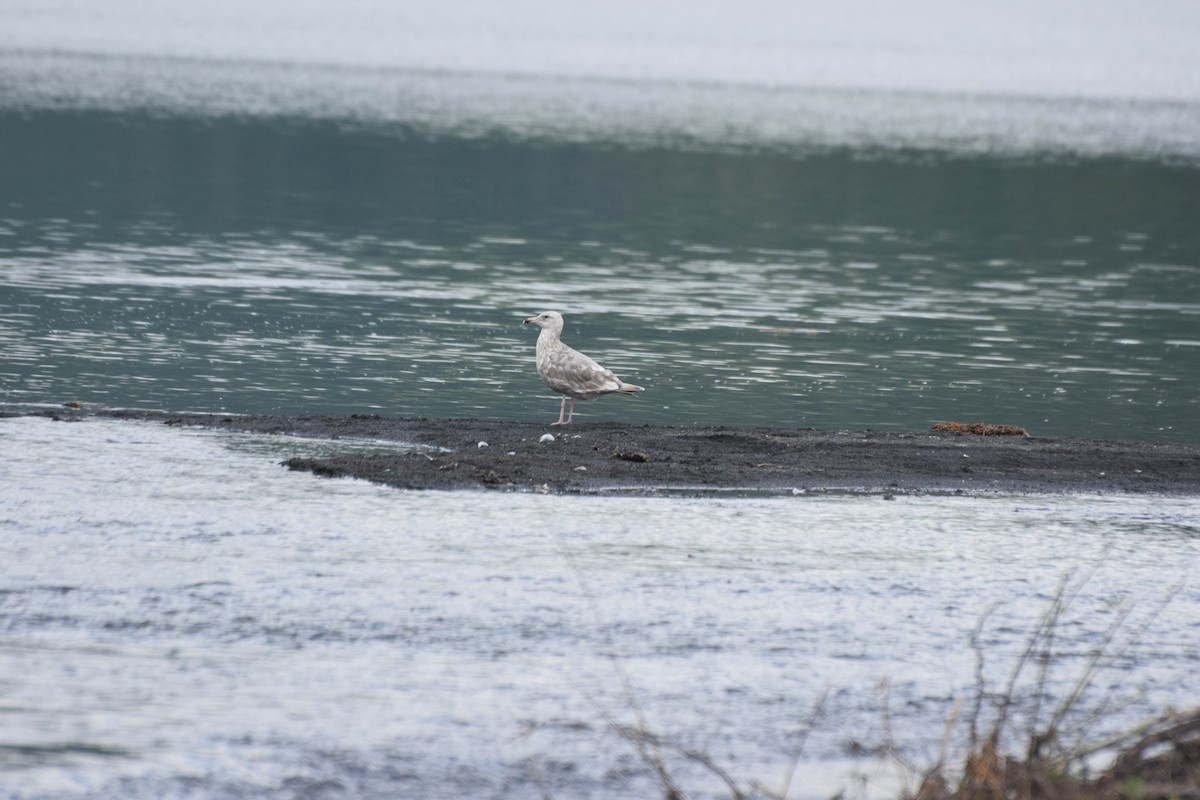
[{"x": 609, "y": 457}]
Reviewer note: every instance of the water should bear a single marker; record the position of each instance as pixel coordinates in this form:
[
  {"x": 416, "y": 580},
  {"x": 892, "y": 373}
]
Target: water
[
  {"x": 826, "y": 215},
  {"x": 846, "y": 220},
  {"x": 168, "y": 632},
  {"x": 293, "y": 266}
]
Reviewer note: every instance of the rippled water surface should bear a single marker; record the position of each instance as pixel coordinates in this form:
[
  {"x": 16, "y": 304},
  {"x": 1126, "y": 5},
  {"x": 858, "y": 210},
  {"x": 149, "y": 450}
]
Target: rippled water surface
[
  {"x": 295, "y": 267},
  {"x": 168, "y": 632},
  {"x": 222, "y": 216}
]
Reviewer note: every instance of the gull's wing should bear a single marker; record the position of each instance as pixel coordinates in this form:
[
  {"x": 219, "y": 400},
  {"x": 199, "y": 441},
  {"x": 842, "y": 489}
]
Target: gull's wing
[{"x": 568, "y": 371}]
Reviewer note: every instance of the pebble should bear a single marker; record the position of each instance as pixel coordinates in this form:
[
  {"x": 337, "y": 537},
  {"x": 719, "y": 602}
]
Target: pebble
[{"x": 547, "y": 437}]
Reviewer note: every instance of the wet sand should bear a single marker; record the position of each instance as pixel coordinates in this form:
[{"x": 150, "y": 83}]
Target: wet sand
[{"x": 615, "y": 458}]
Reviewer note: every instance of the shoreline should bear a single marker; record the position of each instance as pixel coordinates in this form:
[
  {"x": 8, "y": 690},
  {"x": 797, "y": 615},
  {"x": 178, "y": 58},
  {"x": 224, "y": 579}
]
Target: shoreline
[{"x": 607, "y": 458}]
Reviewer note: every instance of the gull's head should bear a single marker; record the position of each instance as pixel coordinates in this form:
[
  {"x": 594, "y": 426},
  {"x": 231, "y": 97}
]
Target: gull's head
[{"x": 547, "y": 319}]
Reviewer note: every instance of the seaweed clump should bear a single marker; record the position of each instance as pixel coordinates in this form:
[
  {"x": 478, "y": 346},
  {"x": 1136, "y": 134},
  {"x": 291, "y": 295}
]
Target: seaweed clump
[{"x": 978, "y": 429}]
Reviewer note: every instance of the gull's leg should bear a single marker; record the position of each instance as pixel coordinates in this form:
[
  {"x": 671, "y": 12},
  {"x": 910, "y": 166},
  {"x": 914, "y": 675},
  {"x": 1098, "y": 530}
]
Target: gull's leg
[
  {"x": 571, "y": 413},
  {"x": 561, "y": 409}
]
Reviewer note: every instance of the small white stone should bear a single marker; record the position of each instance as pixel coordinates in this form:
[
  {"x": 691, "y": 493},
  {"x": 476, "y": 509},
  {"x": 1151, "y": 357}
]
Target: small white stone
[
  {"x": 581, "y": 469},
  {"x": 547, "y": 437},
  {"x": 482, "y": 445}
]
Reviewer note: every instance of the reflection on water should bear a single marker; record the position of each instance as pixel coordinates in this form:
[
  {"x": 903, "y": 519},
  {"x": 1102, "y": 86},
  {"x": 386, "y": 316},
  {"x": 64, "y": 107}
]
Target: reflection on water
[
  {"x": 244, "y": 266},
  {"x": 189, "y": 619}
]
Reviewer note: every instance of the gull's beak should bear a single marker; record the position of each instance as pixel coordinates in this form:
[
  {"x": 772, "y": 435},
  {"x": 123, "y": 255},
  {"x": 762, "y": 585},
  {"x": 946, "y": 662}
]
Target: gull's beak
[{"x": 528, "y": 320}]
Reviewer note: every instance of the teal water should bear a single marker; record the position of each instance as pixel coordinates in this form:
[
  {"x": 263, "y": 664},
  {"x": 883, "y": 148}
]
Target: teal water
[{"x": 298, "y": 266}]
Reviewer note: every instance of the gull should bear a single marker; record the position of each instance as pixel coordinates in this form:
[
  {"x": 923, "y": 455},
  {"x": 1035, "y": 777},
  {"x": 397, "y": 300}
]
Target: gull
[{"x": 568, "y": 371}]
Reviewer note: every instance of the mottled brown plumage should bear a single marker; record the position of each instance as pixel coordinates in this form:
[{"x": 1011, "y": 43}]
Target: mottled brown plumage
[{"x": 568, "y": 371}]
